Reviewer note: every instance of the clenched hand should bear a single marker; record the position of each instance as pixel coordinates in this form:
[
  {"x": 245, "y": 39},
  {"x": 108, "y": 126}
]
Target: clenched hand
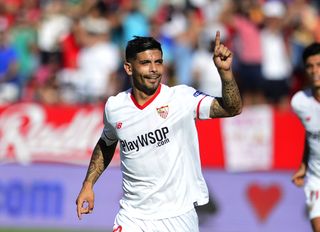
[{"x": 85, "y": 200}]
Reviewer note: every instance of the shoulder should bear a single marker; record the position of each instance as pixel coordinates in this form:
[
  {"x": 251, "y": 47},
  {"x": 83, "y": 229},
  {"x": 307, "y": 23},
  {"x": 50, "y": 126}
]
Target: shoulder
[
  {"x": 300, "y": 99},
  {"x": 118, "y": 100},
  {"x": 183, "y": 89},
  {"x": 188, "y": 92}
]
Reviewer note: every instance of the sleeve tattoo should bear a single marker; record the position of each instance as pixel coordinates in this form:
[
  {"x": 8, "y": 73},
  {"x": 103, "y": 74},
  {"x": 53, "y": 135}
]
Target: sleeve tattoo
[
  {"x": 230, "y": 104},
  {"x": 100, "y": 159}
]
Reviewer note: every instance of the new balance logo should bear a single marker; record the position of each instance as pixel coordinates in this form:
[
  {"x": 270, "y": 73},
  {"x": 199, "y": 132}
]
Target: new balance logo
[{"x": 118, "y": 125}]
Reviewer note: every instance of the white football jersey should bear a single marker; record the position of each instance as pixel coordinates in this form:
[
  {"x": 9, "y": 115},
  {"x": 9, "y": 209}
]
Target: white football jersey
[
  {"x": 307, "y": 109},
  {"x": 159, "y": 150}
]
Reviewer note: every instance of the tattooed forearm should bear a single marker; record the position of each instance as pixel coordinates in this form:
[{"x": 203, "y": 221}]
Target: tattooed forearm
[
  {"x": 231, "y": 97},
  {"x": 230, "y": 104},
  {"x": 96, "y": 166},
  {"x": 100, "y": 159}
]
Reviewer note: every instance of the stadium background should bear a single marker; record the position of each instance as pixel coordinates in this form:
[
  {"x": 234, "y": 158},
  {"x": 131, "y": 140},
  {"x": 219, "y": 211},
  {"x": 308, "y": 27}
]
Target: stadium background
[{"x": 47, "y": 132}]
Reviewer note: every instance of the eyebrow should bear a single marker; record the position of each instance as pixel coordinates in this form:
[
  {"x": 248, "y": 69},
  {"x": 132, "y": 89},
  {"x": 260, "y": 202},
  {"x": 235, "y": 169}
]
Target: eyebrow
[{"x": 149, "y": 60}]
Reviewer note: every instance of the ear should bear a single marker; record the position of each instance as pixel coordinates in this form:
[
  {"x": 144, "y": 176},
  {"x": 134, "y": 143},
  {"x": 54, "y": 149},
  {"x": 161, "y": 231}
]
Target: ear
[{"x": 128, "y": 68}]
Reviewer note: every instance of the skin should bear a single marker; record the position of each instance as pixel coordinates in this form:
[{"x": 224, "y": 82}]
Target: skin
[
  {"x": 230, "y": 104},
  {"x": 100, "y": 159},
  {"x": 313, "y": 74},
  {"x": 146, "y": 71},
  {"x": 312, "y": 69}
]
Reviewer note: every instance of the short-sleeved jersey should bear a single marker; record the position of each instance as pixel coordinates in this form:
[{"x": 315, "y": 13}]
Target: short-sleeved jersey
[
  {"x": 307, "y": 109},
  {"x": 159, "y": 150}
]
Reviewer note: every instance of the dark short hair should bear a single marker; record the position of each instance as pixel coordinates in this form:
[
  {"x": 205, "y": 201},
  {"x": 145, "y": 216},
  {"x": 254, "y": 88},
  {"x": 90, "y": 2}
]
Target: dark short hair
[
  {"x": 140, "y": 44},
  {"x": 311, "y": 50}
]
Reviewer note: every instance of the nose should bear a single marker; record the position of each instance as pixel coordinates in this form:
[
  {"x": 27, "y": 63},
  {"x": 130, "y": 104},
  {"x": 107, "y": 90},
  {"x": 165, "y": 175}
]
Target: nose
[
  {"x": 153, "y": 67},
  {"x": 315, "y": 70}
]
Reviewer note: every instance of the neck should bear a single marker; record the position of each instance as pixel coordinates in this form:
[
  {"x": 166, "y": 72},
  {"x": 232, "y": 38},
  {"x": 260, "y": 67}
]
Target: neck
[
  {"x": 316, "y": 94},
  {"x": 141, "y": 98}
]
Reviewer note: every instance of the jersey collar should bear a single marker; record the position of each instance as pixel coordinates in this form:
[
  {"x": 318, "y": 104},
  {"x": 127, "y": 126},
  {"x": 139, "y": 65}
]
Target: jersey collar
[{"x": 141, "y": 107}]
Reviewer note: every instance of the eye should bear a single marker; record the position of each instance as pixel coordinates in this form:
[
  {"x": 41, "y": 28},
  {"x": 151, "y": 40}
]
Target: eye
[
  {"x": 143, "y": 62},
  {"x": 159, "y": 61}
]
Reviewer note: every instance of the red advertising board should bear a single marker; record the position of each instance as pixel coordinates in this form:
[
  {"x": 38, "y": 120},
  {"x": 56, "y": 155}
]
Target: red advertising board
[{"x": 32, "y": 133}]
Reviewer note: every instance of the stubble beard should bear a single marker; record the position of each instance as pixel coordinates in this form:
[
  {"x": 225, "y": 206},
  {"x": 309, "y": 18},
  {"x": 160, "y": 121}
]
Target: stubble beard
[{"x": 145, "y": 88}]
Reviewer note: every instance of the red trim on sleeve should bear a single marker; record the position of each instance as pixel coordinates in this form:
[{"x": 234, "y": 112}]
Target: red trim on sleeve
[
  {"x": 141, "y": 107},
  {"x": 198, "y": 108}
]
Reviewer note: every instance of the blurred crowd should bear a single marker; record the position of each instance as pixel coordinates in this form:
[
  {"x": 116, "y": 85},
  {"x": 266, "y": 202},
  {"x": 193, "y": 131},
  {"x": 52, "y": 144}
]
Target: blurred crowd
[{"x": 72, "y": 51}]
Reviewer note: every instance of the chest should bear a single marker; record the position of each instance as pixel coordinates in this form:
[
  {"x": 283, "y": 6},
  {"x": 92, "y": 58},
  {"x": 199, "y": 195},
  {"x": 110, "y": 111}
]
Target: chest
[
  {"x": 154, "y": 123},
  {"x": 310, "y": 116}
]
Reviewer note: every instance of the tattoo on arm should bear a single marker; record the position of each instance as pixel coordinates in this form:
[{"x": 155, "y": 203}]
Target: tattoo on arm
[
  {"x": 230, "y": 104},
  {"x": 100, "y": 159},
  {"x": 96, "y": 166},
  {"x": 306, "y": 151},
  {"x": 231, "y": 97}
]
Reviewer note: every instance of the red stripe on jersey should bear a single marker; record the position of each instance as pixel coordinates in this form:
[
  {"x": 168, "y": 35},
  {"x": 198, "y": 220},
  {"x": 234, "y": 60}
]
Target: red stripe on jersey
[
  {"x": 141, "y": 107},
  {"x": 198, "y": 108}
]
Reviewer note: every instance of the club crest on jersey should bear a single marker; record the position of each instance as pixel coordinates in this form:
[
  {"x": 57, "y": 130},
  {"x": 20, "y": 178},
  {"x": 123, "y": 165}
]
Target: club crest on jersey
[{"x": 163, "y": 111}]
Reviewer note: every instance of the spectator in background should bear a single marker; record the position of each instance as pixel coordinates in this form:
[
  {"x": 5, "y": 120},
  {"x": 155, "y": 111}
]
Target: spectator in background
[
  {"x": 8, "y": 11},
  {"x": 276, "y": 65},
  {"x": 149, "y": 7},
  {"x": 186, "y": 25},
  {"x": 9, "y": 79},
  {"x": 54, "y": 25},
  {"x": 243, "y": 19},
  {"x": 95, "y": 78},
  {"x": 32, "y": 10},
  {"x": 99, "y": 60},
  {"x": 306, "y": 105},
  {"x": 303, "y": 22},
  {"x": 167, "y": 44},
  {"x": 44, "y": 86},
  {"x": 134, "y": 22},
  {"x": 177, "y": 24},
  {"x": 23, "y": 37},
  {"x": 205, "y": 76},
  {"x": 302, "y": 18},
  {"x": 70, "y": 46}
]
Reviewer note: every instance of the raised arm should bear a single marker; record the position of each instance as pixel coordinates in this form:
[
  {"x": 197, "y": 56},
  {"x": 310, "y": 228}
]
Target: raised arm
[
  {"x": 100, "y": 159},
  {"x": 230, "y": 104}
]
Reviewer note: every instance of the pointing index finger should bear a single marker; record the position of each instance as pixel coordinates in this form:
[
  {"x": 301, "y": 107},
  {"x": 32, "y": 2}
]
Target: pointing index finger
[{"x": 217, "y": 39}]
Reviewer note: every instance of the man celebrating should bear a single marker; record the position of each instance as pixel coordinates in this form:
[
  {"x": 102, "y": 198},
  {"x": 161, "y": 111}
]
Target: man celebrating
[
  {"x": 155, "y": 125},
  {"x": 306, "y": 104}
]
